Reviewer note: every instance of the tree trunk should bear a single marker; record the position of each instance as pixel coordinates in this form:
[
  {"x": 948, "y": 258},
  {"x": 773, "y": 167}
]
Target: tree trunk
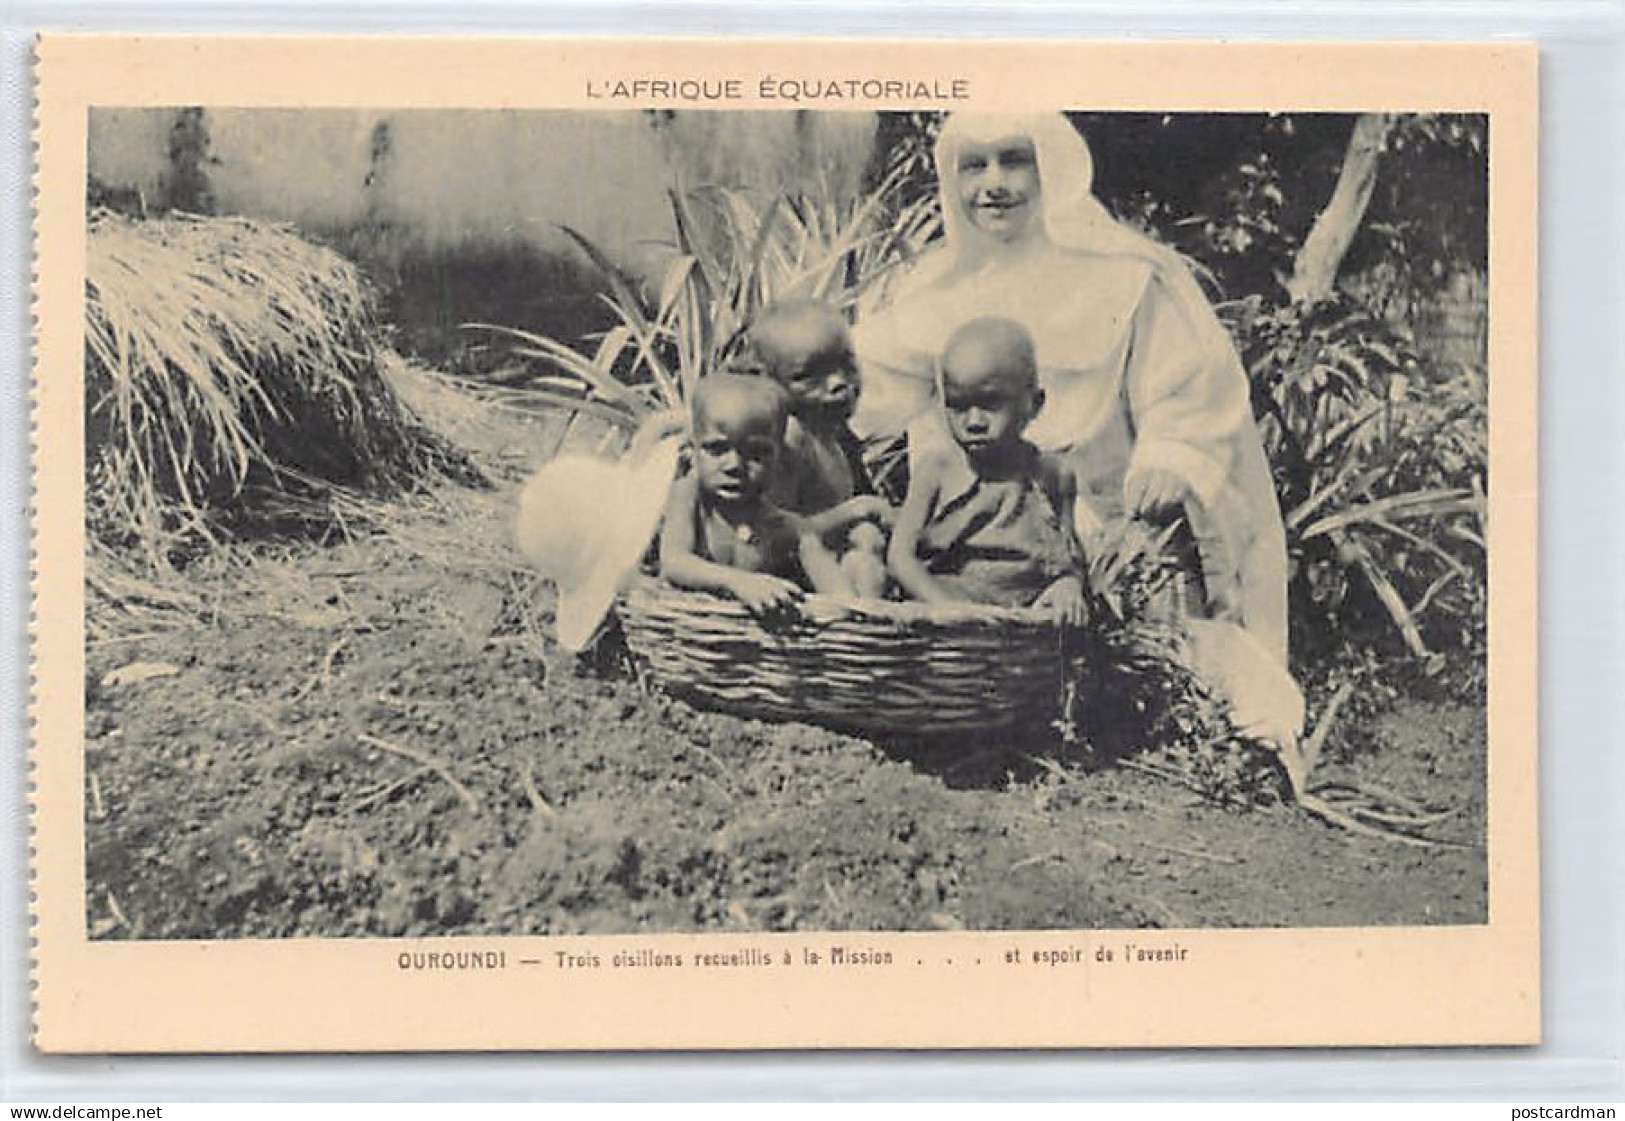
[
  {"x": 1315, "y": 270},
  {"x": 185, "y": 184}
]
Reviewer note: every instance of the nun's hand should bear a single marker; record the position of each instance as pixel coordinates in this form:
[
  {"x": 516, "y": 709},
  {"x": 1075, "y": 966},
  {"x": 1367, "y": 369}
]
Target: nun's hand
[{"x": 1153, "y": 493}]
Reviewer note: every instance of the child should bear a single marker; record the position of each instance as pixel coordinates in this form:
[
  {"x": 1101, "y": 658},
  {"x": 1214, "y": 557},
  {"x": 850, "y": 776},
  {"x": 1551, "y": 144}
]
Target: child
[
  {"x": 990, "y": 521},
  {"x": 722, "y": 532},
  {"x": 803, "y": 345}
]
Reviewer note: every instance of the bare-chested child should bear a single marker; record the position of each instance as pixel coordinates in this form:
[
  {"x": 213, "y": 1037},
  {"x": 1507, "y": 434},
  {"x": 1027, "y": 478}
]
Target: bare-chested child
[
  {"x": 804, "y": 346},
  {"x": 722, "y": 532},
  {"x": 990, "y": 520}
]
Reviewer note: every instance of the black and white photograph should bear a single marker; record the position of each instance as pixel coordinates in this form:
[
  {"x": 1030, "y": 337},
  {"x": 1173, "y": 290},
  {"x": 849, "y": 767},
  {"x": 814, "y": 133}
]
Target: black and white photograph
[{"x": 579, "y": 522}]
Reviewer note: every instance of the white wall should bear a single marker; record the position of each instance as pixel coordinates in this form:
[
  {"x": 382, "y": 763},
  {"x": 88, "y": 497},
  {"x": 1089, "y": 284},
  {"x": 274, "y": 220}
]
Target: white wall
[{"x": 455, "y": 177}]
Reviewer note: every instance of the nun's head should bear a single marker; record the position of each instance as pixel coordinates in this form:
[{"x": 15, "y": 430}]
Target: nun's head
[{"x": 1011, "y": 178}]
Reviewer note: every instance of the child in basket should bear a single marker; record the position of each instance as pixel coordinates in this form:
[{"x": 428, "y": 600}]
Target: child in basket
[
  {"x": 722, "y": 531},
  {"x": 804, "y": 346},
  {"x": 989, "y": 519}
]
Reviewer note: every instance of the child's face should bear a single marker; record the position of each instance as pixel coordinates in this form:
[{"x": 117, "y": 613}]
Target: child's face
[
  {"x": 989, "y": 397},
  {"x": 736, "y": 443},
  {"x": 811, "y": 357}
]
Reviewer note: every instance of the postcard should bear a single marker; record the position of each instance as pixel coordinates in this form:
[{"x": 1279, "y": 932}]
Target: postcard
[{"x": 555, "y": 544}]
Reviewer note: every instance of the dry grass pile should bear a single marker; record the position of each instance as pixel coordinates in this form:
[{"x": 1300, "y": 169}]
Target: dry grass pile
[{"x": 232, "y": 383}]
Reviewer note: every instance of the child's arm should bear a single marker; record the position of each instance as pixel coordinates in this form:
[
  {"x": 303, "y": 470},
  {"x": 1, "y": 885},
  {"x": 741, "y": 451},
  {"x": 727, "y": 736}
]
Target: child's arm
[
  {"x": 1067, "y": 597},
  {"x": 684, "y": 567},
  {"x": 820, "y": 563},
  {"x": 840, "y": 518},
  {"x": 902, "y": 556}
]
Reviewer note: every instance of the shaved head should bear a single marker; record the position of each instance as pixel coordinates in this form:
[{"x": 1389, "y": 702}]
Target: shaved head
[
  {"x": 991, "y": 349},
  {"x": 786, "y": 332},
  {"x": 741, "y": 396}
]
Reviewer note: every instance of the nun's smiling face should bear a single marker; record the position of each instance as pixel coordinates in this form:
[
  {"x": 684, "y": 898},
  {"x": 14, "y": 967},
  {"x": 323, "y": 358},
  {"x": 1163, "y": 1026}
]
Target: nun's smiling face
[{"x": 998, "y": 185}]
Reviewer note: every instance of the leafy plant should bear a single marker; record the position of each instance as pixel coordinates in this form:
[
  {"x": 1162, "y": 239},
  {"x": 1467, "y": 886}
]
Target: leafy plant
[
  {"x": 732, "y": 256},
  {"x": 1378, "y": 461}
]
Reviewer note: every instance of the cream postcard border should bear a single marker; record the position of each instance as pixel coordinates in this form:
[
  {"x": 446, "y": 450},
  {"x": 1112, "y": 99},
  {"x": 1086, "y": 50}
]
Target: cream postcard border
[{"x": 1367, "y": 986}]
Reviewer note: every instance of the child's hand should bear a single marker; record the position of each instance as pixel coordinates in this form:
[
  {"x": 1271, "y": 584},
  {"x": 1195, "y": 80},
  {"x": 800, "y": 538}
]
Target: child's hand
[
  {"x": 873, "y": 508},
  {"x": 866, "y": 537},
  {"x": 764, "y": 594},
  {"x": 1065, "y": 600},
  {"x": 1153, "y": 492}
]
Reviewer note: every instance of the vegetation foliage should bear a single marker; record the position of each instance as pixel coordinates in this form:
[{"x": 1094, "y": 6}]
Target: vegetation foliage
[
  {"x": 734, "y": 253},
  {"x": 1377, "y": 432},
  {"x": 226, "y": 356}
]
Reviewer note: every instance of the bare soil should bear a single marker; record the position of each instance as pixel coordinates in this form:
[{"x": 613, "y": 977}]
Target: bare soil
[{"x": 377, "y": 738}]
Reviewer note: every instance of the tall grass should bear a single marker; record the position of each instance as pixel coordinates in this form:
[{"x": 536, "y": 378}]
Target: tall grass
[{"x": 230, "y": 377}]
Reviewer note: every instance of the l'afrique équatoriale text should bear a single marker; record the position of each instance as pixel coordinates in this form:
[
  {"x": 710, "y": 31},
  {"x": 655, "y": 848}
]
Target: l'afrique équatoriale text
[{"x": 779, "y": 88}]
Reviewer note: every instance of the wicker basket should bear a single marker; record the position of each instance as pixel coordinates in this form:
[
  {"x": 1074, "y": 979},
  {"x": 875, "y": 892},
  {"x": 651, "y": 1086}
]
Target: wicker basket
[{"x": 867, "y": 667}]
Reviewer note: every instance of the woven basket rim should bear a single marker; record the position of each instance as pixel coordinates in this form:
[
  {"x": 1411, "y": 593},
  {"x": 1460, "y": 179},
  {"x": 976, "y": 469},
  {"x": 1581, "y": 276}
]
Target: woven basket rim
[{"x": 815, "y": 605}]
